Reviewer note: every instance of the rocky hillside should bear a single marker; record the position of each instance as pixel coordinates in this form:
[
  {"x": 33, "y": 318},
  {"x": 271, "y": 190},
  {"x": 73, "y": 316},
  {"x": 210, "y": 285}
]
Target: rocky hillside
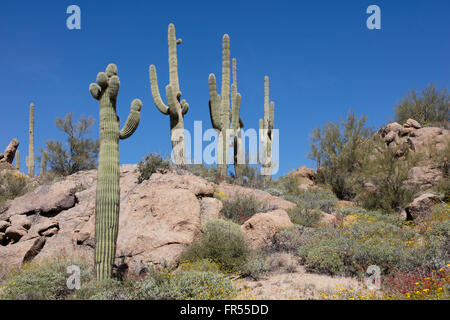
[{"x": 159, "y": 218}]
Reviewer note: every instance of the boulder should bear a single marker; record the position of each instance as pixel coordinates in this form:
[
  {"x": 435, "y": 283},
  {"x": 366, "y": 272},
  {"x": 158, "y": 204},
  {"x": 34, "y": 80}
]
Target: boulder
[
  {"x": 411, "y": 123},
  {"x": 390, "y": 137},
  {"x": 305, "y": 177},
  {"x": 210, "y": 209},
  {"x": 20, "y": 220},
  {"x": 327, "y": 219},
  {"x": 260, "y": 229},
  {"x": 10, "y": 151},
  {"x": 232, "y": 191},
  {"x": 4, "y": 225},
  {"x": 15, "y": 232},
  {"x": 421, "y": 206},
  {"x": 45, "y": 200}
]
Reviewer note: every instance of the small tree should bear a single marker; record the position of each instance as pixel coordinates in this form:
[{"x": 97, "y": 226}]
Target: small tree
[
  {"x": 338, "y": 150},
  {"x": 78, "y": 153},
  {"x": 431, "y": 108},
  {"x": 387, "y": 169}
]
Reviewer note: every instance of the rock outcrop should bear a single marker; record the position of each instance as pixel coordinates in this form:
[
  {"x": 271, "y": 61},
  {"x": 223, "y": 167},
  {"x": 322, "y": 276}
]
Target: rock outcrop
[
  {"x": 421, "y": 207},
  {"x": 424, "y": 141},
  {"x": 305, "y": 177},
  {"x": 260, "y": 229},
  {"x": 159, "y": 218}
]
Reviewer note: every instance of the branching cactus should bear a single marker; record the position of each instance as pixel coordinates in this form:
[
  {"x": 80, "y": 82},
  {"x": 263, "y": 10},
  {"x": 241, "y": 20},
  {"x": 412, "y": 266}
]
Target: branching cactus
[
  {"x": 30, "y": 159},
  {"x": 175, "y": 109},
  {"x": 219, "y": 109},
  {"x": 107, "y": 203},
  {"x": 266, "y": 132}
]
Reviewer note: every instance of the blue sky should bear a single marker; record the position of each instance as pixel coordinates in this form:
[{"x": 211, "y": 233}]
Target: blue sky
[{"x": 320, "y": 57}]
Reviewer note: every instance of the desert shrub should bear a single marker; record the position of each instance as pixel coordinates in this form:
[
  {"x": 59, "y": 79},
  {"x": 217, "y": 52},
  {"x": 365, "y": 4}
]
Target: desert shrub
[
  {"x": 288, "y": 239},
  {"x": 338, "y": 150},
  {"x": 109, "y": 289},
  {"x": 200, "y": 265},
  {"x": 241, "y": 208},
  {"x": 152, "y": 163},
  {"x": 209, "y": 173},
  {"x": 387, "y": 171},
  {"x": 77, "y": 153},
  {"x": 325, "y": 258},
  {"x": 254, "y": 267},
  {"x": 431, "y": 108},
  {"x": 42, "y": 280},
  {"x": 221, "y": 241},
  {"x": 199, "y": 285},
  {"x": 282, "y": 261},
  {"x": 304, "y": 216},
  {"x": 12, "y": 186}
]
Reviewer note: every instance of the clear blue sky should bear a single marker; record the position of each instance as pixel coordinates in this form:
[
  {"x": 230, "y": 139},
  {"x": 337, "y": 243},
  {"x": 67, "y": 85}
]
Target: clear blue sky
[{"x": 321, "y": 58}]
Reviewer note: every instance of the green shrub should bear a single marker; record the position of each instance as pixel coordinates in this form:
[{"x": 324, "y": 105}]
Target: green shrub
[
  {"x": 221, "y": 241},
  {"x": 152, "y": 163},
  {"x": 325, "y": 258},
  {"x": 198, "y": 285},
  {"x": 241, "y": 208},
  {"x": 288, "y": 240},
  {"x": 254, "y": 267},
  {"x": 42, "y": 280},
  {"x": 109, "y": 289},
  {"x": 305, "y": 217},
  {"x": 12, "y": 186},
  {"x": 338, "y": 149}
]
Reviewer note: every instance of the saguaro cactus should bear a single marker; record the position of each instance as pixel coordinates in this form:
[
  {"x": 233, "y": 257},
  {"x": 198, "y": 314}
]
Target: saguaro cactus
[
  {"x": 18, "y": 160},
  {"x": 219, "y": 109},
  {"x": 30, "y": 159},
  {"x": 44, "y": 159},
  {"x": 176, "y": 109},
  {"x": 107, "y": 203},
  {"x": 266, "y": 132}
]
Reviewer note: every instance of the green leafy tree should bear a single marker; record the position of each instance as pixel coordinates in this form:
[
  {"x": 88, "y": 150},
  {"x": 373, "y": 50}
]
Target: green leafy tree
[
  {"x": 78, "y": 152},
  {"x": 431, "y": 107},
  {"x": 338, "y": 150}
]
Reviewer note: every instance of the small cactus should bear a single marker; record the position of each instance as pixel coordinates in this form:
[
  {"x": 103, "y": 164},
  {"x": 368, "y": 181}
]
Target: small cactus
[
  {"x": 266, "y": 132},
  {"x": 107, "y": 202},
  {"x": 18, "y": 160},
  {"x": 219, "y": 109},
  {"x": 30, "y": 158},
  {"x": 176, "y": 109},
  {"x": 44, "y": 160}
]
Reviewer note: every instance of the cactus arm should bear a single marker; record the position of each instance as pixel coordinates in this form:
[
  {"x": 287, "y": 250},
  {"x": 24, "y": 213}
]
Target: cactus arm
[
  {"x": 95, "y": 90},
  {"x": 155, "y": 92},
  {"x": 271, "y": 115},
  {"x": 132, "y": 121},
  {"x": 214, "y": 103},
  {"x": 184, "y": 106},
  {"x": 235, "y": 111},
  {"x": 30, "y": 158},
  {"x": 173, "y": 62}
]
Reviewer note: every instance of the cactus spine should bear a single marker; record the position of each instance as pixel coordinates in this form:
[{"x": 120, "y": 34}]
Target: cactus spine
[
  {"x": 266, "y": 132},
  {"x": 176, "y": 109},
  {"x": 44, "y": 159},
  {"x": 30, "y": 159},
  {"x": 107, "y": 203},
  {"x": 219, "y": 109},
  {"x": 18, "y": 160}
]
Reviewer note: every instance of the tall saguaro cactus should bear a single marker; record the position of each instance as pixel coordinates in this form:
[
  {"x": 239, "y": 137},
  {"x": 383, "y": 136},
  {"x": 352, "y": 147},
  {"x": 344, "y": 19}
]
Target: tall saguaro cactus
[
  {"x": 219, "y": 109},
  {"x": 266, "y": 132},
  {"x": 176, "y": 109},
  {"x": 30, "y": 159},
  {"x": 107, "y": 203}
]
